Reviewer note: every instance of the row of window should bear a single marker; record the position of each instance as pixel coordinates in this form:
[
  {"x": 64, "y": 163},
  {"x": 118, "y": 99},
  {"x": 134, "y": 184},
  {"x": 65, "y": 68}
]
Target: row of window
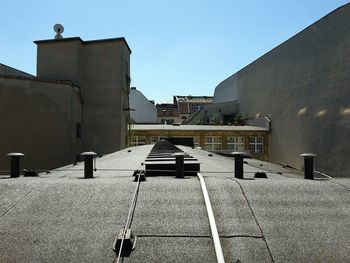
[{"x": 213, "y": 143}]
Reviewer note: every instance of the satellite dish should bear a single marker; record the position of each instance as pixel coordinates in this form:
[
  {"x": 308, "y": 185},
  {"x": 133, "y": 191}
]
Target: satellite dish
[{"x": 58, "y": 29}]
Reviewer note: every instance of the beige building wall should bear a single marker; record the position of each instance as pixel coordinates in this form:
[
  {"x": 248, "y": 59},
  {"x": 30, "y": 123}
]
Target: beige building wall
[
  {"x": 150, "y": 136},
  {"x": 39, "y": 119},
  {"x": 102, "y": 69}
]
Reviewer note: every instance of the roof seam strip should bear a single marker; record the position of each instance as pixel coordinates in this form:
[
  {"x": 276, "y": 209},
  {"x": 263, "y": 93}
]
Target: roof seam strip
[
  {"x": 256, "y": 220},
  {"x": 14, "y": 205}
]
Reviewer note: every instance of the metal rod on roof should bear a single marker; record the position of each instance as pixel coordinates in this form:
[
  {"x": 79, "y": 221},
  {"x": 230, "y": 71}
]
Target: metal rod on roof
[
  {"x": 213, "y": 228},
  {"x": 130, "y": 216}
]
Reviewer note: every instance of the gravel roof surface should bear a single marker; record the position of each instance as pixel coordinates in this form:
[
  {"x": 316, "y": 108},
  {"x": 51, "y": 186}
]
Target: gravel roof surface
[{"x": 61, "y": 217}]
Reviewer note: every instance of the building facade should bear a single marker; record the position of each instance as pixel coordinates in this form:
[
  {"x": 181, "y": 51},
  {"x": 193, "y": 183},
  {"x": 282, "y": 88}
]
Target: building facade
[
  {"x": 141, "y": 109},
  {"x": 302, "y": 86},
  {"x": 168, "y": 113},
  {"x": 79, "y": 101},
  {"x": 225, "y": 139},
  {"x": 42, "y": 121},
  {"x": 102, "y": 69},
  {"x": 181, "y": 108},
  {"x": 188, "y": 105}
]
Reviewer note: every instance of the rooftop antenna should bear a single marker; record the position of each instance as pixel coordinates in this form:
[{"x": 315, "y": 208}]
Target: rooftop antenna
[{"x": 58, "y": 29}]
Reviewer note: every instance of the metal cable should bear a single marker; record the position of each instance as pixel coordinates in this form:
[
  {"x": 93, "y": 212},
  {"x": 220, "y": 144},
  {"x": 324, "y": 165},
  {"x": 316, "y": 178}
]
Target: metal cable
[{"x": 130, "y": 216}]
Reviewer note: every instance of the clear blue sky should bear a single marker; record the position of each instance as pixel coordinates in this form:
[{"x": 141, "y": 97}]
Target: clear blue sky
[{"x": 180, "y": 47}]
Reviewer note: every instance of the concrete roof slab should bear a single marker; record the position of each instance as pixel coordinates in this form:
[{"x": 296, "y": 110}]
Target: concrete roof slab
[
  {"x": 66, "y": 220},
  {"x": 172, "y": 207},
  {"x": 302, "y": 219},
  {"x": 12, "y": 191},
  {"x": 245, "y": 249},
  {"x": 232, "y": 213},
  {"x": 173, "y": 249},
  {"x": 61, "y": 217}
]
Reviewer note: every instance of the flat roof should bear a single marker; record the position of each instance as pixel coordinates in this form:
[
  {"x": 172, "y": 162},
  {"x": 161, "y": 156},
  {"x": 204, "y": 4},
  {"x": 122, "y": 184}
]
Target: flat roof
[
  {"x": 60, "y": 217},
  {"x": 84, "y": 42},
  {"x": 162, "y": 127}
]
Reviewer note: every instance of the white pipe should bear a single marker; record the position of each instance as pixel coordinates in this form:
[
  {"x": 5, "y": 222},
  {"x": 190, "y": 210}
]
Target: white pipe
[{"x": 214, "y": 230}]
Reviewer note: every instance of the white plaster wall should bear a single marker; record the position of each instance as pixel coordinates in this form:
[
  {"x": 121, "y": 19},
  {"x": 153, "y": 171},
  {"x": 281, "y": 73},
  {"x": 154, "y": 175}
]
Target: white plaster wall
[
  {"x": 226, "y": 91},
  {"x": 144, "y": 111}
]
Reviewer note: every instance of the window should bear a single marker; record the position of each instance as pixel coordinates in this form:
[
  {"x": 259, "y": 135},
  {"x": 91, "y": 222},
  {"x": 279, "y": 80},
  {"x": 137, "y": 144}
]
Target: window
[
  {"x": 235, "y": 143},
  {"x": 137, "y": 140},
  {"x": 212, "y": 143},
  {"x": 256, "y": 144}
]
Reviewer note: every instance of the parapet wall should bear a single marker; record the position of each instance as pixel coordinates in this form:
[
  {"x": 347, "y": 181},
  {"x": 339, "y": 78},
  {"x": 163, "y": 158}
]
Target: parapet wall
[{"x": 39, "y": 119}]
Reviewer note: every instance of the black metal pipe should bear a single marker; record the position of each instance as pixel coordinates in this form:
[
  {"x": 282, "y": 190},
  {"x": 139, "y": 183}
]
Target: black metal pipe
[
  {"x": 88, "y": 164},
  {"x": 179, "y": 165},
  {"x": 15, "y": 164},
  {"x": 238, "y": 164},
  {"x": 308, "y": 165}
]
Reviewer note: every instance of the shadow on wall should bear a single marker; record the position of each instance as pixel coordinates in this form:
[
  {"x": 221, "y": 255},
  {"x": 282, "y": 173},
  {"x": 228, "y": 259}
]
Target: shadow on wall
[{"x": 40, "y": 125}]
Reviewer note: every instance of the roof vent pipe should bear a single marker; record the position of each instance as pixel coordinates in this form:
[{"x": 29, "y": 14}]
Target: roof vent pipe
[
  {"x": 308, "y": 165},
  {"x": 179, "y": 164},
  {"x": 238, "y": 164},
  {"x": 15, "y": 164},
  {"x": 88, "y": 164}
]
